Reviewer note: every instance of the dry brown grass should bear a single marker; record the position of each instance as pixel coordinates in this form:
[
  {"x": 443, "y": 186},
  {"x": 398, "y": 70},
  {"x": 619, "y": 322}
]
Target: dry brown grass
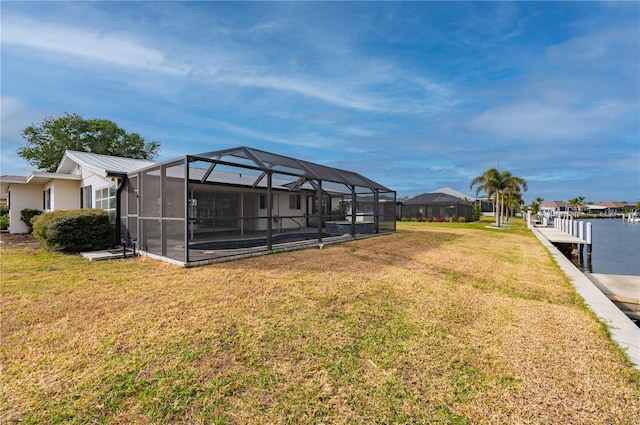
[{"x": 433, "y": 324}]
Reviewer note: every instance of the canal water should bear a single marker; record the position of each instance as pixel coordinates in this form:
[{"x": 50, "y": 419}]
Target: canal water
[{"x": 616, "y": 247}]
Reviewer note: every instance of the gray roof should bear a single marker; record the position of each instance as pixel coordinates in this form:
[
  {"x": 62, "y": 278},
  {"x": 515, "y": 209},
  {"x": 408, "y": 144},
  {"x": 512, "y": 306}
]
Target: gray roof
[
  {"x": 452, "y": 192},
  {"x": 434, "y": 198}
]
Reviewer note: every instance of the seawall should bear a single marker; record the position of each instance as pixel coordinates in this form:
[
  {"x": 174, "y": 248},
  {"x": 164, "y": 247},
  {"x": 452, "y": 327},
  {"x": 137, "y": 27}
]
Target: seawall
[{"x": 623, "y": 330}]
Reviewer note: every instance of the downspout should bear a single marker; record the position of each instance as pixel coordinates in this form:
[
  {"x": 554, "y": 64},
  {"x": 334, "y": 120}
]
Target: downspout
[
  {"x": 320, "y": 212},
  {"x": 269, "y": 212},
  {"x": 122, "y": 181},
  {"x": 354, "y": 216},
  {"x": 376, "y": 212}
]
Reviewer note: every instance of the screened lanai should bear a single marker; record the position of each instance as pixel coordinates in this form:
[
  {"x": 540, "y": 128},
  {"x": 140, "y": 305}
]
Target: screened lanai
[{"x": 240, "y": 202}]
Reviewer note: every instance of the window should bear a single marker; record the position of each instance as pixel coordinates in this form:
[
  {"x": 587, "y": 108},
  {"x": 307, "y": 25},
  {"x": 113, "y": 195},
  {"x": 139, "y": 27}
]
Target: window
[
  {"x": 46, "y": 199},
  {"x": 106, "y": 199},
  {"x": 86, "y": 200},
  {"x": 294, "y": 202},
  {"x": 262, "y": 202}
]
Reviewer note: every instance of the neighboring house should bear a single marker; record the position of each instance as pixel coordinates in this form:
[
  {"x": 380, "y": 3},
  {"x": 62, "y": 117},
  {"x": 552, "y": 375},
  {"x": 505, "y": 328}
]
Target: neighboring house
[
  {"x": 437, "y": 205},
  {"x": 615, "y": 208},
  {"x": 559, "y": 208},
  {"x": 594, "y": 209},
  {"x": 199, "y": 208},
  {"x": 410, "y": 213},
  {"x": 554, "y": 208}
]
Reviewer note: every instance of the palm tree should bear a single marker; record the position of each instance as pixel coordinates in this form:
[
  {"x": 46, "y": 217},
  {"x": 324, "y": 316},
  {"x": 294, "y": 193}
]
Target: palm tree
[
  {"x": 577, "y": 203},
  {"x": 512, "y": 202},
  {"x": 496, "y": 184}
]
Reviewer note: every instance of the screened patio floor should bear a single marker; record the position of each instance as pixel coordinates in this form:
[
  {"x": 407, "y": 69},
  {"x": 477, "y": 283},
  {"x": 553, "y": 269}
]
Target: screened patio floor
[{"x": 215, "y": 249}]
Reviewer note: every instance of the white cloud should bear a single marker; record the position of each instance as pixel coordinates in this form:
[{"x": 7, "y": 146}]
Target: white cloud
[
  {"x": 86, "y": 44},
  {"x": 546, "y": 120},
  {"x": 375, "y": 86},
  {"x": 15, "y": 116},
  {"x": 252, "y": 134}
]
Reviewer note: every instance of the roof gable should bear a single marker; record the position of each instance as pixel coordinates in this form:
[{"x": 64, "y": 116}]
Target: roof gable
[
  {"x": 452, "y": 192},
  {"x": 100, "y": 164}
]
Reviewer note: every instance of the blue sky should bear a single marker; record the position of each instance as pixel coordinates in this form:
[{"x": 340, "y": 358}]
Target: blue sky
[{"x": 414, "y": 95}]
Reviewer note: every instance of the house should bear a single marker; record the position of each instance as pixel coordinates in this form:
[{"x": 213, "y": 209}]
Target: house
[
  {"x": 616, "y": 208},
  {"x": 211, "y": 206},
  {"x": 437, "y": 205},
  {"x": 82, "y": 180},
  {"x": 554, "y": 208},
  {"x": 559, "y": 208}
]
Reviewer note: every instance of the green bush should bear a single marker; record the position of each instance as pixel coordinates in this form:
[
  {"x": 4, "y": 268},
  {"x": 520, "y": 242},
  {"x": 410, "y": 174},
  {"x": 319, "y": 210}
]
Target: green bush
[
  {"x": 4, "y": 221},
  {"x": 74, "y": 230},
  {"x": 27, "y": 215},
  {"x": 4, "y": 210},
  {"x": 477, "y": 212}
]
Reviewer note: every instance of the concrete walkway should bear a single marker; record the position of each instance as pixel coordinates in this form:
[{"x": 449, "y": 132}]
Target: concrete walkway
[{"x": 622, "y": 329}]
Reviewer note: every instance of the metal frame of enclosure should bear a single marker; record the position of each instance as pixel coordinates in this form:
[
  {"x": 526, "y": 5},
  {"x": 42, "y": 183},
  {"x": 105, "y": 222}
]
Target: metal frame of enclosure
[{"x": 241, "y": 202}]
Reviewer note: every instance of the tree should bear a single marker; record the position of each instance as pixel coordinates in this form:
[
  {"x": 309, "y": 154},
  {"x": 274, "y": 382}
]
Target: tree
[
  {"x": 535, "y": 207},
  {"x": 496, "y": 184},
  {"x": 512, "y": 201},
  {"x": 576, "y": 203},
  {"x": 47, "y": 141}
]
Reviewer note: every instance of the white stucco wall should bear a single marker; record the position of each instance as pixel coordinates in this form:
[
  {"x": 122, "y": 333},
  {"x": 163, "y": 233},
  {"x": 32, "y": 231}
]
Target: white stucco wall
[
  {"x": 281, "y": 209},
  {"x": 65, "y": 194},
  {"x": 96, "y": 182},
  {"x": 23, "y": 196}
]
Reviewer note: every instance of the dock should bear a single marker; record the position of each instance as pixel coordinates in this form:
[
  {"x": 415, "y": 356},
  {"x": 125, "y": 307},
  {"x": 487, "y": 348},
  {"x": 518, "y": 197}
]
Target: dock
[{"x": 554, "y": 235}]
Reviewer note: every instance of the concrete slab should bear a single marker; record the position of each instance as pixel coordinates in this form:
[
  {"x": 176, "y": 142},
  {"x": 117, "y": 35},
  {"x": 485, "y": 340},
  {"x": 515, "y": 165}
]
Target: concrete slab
[
  {"x": 109, "y": 254},
  {"x": 623, "y": 330},
  {"x": 623, "y": 290},
  {"x": 619, "y": 285}
]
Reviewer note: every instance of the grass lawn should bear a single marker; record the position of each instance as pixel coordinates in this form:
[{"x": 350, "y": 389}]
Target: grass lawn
[{"x": 438, "y": 323}]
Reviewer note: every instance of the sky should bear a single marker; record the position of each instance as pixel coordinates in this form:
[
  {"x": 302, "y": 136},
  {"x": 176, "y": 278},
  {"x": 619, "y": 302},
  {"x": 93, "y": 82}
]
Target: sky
[{"x": 413, "y": 95}]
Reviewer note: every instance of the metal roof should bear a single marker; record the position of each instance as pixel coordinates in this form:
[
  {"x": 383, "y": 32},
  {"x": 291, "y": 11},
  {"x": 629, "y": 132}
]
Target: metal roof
[
  {"x": 270, "y": 162},
  {"x": 100, "y": 163}
]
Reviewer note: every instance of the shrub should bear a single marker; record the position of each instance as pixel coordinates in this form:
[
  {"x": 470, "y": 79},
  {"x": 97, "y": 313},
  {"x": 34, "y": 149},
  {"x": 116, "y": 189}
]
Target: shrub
[
  {"x": 27, "y": 215},
  {"x": 74, "y": 230},
  {"x": 477, "y": 212},
  {"x": 4, "y": 210},
  {"x": 462, "y": 219},
  {"x": 4, "y": 221}
]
